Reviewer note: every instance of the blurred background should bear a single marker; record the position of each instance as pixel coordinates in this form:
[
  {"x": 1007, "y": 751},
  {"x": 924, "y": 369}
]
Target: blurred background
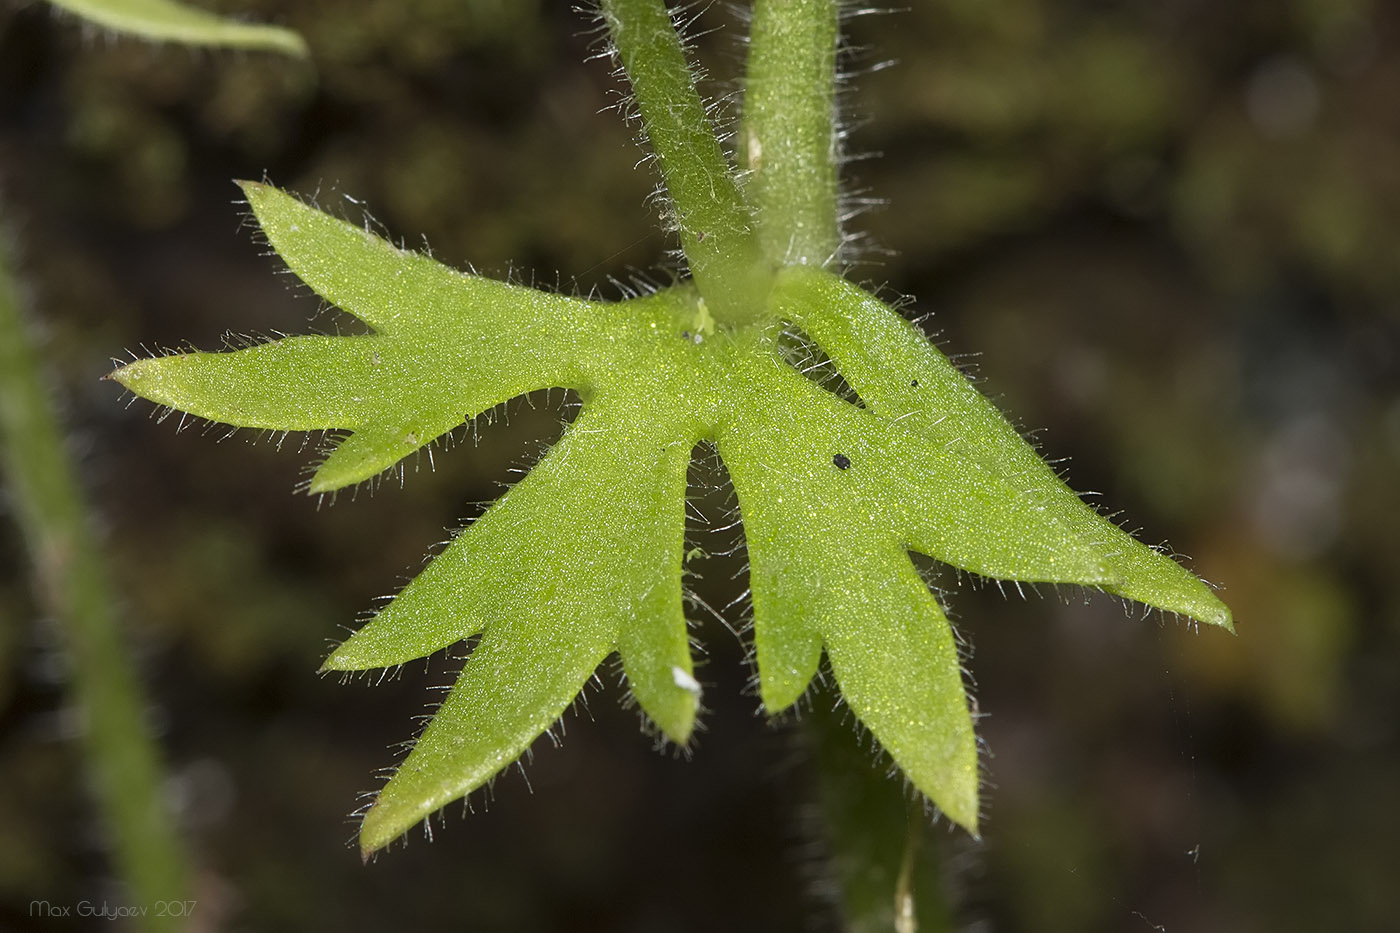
[{"x": 1162, "y": 235}]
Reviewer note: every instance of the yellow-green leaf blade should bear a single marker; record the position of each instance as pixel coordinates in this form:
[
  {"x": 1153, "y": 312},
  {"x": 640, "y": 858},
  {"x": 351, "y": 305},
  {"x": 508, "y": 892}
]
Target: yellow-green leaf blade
[
  {"x": 516, "y": 684},
  {"x": 804, "y": 447},
  {"x": 308, "y": 383},
  {"x": 168, "y": 21},
  {"x": 906, "y": 381},
  {"x": 826, "y": 567},
  {"x": 399, "y": 291},
  {"x": 447, "y": 347},
  {"x": 595, "y": 528},
  {"x": 654, "y": 643},
  {"x": 895, "y": 659},
  {"x": 582, "y": 556}
]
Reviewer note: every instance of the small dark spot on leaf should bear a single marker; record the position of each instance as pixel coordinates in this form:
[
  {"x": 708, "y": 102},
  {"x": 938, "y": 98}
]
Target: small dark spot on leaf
[
  {"x": 842, "y": 461},
  {"x": 915, "y": 383},
  {"x": 685, "y": 335}
]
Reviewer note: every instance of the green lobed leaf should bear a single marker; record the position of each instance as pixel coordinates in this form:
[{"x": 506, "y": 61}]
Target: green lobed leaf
[
  {"x": 399, "y": 389},
  {"x": 169, "y": 21},
  {"x": 582, "y": 558},
  {"x": 826, "y": 568},
  {"x": 903, "y": 377}
]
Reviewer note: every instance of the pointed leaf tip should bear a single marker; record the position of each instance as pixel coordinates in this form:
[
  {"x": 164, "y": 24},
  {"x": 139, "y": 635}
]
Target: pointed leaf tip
[
  {"x": 376, "y": 832},
  {"x": 1215, "y": 612}
]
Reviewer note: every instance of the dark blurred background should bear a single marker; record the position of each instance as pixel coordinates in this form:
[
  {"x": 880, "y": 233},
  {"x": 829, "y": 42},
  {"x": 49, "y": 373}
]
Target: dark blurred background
[{"x": 1169, "y": 233}]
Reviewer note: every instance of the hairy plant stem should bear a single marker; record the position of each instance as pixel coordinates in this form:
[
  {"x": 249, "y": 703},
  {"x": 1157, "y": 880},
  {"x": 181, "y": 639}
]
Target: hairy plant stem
[
  {"x": 71, "y": 584},
  {"x": 716, "y": 224},
  {"x": 788, "y": 141}
]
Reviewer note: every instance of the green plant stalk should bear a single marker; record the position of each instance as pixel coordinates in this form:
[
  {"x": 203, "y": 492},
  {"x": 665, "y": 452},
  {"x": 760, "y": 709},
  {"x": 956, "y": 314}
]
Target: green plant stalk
[
  {"x": 716, "y": 225},
  {"x": 72, "y": 584},
  {"x": 788, "y": 141}
]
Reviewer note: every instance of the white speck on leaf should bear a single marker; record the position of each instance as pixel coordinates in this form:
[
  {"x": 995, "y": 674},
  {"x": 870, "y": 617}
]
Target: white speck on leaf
[{"x": 685, "y": 681}]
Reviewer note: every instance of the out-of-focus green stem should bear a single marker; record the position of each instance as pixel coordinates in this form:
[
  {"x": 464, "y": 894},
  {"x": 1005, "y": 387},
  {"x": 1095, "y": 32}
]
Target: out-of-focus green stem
[
  {"x": 788, "y": 142},
  {"x": 71, "y": 583},
  {"x": 716, "y": 225}
]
